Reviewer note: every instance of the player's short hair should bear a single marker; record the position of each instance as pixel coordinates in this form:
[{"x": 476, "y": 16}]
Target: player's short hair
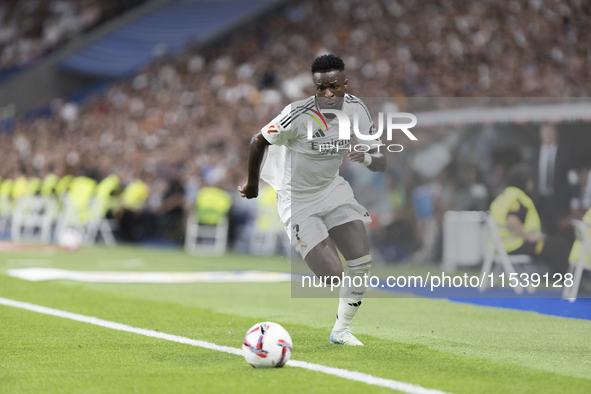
[
  {"x": 518, "y": 176},
  {"x": 327, "y": 63}
]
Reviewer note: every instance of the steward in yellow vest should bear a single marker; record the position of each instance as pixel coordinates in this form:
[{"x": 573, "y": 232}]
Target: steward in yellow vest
[
  {"x": 514, "y": 201},
  {"x": 33, "y": 186},
  {"x": 135, "y": 222},
  {"x": 267, "y": 218},
  {"x": 80, "y": 193},
  {"x": 212, "y": 205},
  {"x": 5, "y": 196},
  {"x": 63, "y": 185},
  {"x": 107, "y": 192},
  {"x": 19, "y": 188},
  {"x": 6, "y": 188},
  {"x": 575, "y": 252},
  {"x": 519, "y": 222},
  {"x": 49, "y": 184},
  {"x": 135, "y": 195}
]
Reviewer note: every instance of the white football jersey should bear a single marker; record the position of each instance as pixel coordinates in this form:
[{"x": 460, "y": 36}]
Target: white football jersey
[{"x": 302, "y": 166}]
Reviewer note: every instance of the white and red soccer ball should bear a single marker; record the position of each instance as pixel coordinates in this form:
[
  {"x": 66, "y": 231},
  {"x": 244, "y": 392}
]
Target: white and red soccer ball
[{"x": 267, "y": 345}]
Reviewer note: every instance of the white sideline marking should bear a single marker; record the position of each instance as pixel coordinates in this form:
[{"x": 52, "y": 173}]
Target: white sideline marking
[
  {"x": 39, "y": 274},
  {"x": 342, "y": 373}
]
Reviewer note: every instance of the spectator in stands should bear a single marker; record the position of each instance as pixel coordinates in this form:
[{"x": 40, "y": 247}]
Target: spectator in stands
[
  {"x": 519, "y": 223},
  {"x": 553, "y": 163},
  {"x": 170, "y": 213},
  {"x": 135, "y": 223},
  {"x": 583, "y": 191}
]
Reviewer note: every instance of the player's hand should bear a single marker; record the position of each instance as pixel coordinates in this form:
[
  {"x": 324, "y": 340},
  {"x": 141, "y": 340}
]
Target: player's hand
[
  {"x": 248, "y": 191},
  {"x": 357, "y": 157}
]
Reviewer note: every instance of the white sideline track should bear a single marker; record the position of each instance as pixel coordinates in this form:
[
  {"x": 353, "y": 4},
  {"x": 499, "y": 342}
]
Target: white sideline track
[{"x": 342, "y": 373}]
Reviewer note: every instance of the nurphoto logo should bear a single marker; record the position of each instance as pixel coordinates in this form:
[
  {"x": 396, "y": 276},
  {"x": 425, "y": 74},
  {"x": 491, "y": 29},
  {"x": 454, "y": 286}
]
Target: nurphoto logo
[{"x": 346, "y": 125}]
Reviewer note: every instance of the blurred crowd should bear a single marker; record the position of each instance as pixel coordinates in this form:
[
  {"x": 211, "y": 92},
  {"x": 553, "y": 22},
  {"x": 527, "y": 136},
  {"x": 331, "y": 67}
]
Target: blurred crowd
[
  {"x": 30, "y": 29},
  {"x": 185, "y": 120}
]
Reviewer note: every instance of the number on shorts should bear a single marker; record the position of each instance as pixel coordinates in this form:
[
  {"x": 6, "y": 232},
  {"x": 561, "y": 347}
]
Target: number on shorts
[{"x": 297, "y": 230}]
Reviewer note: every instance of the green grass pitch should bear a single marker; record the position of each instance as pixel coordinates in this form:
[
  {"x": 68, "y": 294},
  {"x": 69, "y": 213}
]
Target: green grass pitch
[{"x": 437, "y": 344}]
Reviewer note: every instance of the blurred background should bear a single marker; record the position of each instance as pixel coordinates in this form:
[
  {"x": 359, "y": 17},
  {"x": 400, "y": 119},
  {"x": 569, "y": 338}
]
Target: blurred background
[{"x": 129, "y": 121}]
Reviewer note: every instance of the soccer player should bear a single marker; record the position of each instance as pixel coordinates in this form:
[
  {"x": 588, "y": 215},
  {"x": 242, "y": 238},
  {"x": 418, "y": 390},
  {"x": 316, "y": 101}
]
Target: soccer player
[{"x": 315, "y": 204}]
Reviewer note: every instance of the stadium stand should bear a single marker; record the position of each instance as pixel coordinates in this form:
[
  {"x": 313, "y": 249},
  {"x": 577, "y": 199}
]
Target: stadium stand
[
  {"x": 31, "y": 29},
  {"x": 167, "y": 28},
  {"x": 193, "y": 112}
]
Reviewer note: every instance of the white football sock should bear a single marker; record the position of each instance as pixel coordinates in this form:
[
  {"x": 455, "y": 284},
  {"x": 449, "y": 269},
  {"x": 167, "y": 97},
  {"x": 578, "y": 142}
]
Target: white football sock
[{"x": 350, "y": 295}]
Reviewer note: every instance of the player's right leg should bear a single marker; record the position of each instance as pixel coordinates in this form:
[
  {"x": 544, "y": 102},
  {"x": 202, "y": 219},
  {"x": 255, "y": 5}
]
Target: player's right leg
[
  {"x": 351, "y": 240},
  {"x": 324, "y": 261}
]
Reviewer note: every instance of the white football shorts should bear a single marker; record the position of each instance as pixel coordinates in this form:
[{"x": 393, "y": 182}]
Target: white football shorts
[{"x": 308, "y": 220}]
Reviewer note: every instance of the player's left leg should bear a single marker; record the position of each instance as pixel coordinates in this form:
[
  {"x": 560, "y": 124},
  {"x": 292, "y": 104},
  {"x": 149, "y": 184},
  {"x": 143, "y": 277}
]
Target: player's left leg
[{"x": 351, "y": 240}]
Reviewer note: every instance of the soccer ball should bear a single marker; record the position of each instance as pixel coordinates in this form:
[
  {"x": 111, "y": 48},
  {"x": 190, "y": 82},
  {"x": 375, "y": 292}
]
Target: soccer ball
[
  {"x": 266, "y": 345},
  {"x": 70, "y": 239}
]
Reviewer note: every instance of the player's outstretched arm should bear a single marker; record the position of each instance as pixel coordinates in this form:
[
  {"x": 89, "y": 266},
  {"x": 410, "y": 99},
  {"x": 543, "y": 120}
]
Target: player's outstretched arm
[
  {"x": 256, "y": 152},
  {"x": 374, "y": 160}
]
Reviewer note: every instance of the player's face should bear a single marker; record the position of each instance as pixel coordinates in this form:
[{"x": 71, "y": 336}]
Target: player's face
[{"x": 330, "y": 89}]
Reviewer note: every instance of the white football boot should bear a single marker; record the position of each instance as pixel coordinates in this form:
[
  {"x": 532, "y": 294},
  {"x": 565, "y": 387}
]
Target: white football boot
[{"x": 344, "y": 337}]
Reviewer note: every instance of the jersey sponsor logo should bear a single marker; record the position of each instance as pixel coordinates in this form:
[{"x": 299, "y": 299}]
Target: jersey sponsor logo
[
  {"x": 272, "y": 129},
  {"x": 332, "y": 147}
]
